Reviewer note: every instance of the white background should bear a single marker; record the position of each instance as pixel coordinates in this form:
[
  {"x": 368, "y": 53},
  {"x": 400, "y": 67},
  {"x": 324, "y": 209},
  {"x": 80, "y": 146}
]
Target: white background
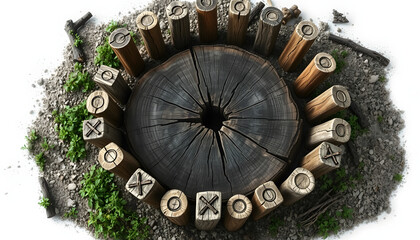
[{"x": 32, "y": 40}]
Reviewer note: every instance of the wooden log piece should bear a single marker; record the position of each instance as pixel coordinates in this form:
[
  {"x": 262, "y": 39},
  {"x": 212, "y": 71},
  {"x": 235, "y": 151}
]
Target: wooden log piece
[
  {"x": 100, "y": 104},
  {"x": 290, "y": 13},
  {"x": 149, "y": 28},
  {"x": 71, "y": 29},
  {"x": 299, "y": 43},
  {"x": 110, "y": 80},
  {"x": 268, "y": 30},
  {"x": 319, "y": 69},
  {"x": 124, "y": 47},
  {"x": 299, "y": 184},
  {"x": 328, "y": 103},
  {"x": 207, "y": 20},
  {"x": 239, "y": 208},
  {"x": 145, "y": 188},
  {"x": 208, "y": 210},
  {"x": 118, "y": 161},
  {"x": 50, "y": 210},
  {"x": 336, "y": 131},
  {"x": 266, "y": 198},
  {"x": 323, "y": 159},
  {"x": 174, "y": 205},
  {"x": 100, "y": 133},
  {"x": 238, "y": 21},
  {"x": 179, "y": 24},
  {"x": 255, "y": 13}
]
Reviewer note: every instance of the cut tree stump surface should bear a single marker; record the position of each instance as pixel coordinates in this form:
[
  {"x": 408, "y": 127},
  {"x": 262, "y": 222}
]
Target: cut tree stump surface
[{"x": 213, "y": 118}]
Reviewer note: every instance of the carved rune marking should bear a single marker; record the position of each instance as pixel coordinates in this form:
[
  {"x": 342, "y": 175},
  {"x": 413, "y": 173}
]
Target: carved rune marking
[
  {"x": 139, "y": 183},
  {"x": 209, "y": 205},
  {"x": 331, "y": 154},
  {"x": 93, "y": 128}
]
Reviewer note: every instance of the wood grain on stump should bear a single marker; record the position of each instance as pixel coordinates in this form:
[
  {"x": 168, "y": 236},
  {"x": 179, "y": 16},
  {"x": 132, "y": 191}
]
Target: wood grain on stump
[
  {"x": 300, "y": 183},
  {"x": 336, "y": 131},
  {"x": 149, "y": 28},
  {"x": 212, "y": 118},
  {"x": 238, "y": 210},
  {"x": 323, "y": 159},
  {"x": 238, "y": 21},
  {"x": 268, "y": 30},
  {"x": 179, "y": 24}
]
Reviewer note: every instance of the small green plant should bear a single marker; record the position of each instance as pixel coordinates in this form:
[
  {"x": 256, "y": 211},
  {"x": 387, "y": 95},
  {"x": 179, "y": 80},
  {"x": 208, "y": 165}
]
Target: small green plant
[
  {"x": 30, "y": 140},
  {"x": 79, "y": 79},
  {"x": 70, "y": 129},
  {"x": 44, "y": 202},
  {"x": 382, "y": 79},
  {"x": 339, "y": 59},
  {"x": 40, "y": 160},
  {"x": 398, "y": 177},
  {"x": 109, "y": 217},
  {"x": 169, "y": 31},
  {"x": 72, "y": 213},
  {"x": 275, "y": 223},
  {"x": 327, "y": 223},
  {"x": 112, "y": 26},
  {"x": 45, "y": 145},
  {"x": 345, "y": 213},
  {"x": 77, "y": 40},
  {"x": 380, "y": 119}
]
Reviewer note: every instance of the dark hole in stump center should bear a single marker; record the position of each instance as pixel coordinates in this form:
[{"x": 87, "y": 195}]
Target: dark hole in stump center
[{"x": 213, "y": 117}]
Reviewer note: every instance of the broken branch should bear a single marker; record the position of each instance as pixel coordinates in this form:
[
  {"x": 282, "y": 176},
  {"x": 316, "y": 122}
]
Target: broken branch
[
  {"x": 50, "y": 210},
  {"x": 255, "y": 13},
  {"x": 71, "y": 30},
  {"x": 289, "y": 13}
]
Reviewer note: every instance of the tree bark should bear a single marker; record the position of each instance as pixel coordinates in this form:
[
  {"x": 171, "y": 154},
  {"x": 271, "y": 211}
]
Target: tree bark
[{"x": 71, "y": 29}]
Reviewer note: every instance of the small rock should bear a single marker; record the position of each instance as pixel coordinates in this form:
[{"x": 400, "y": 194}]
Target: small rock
[
  {"x": 71, "y": 186},
  {"x": 373, "y": 78},
  {"x": 390, "y": 121},
  {"x": 339, "y": 30},
  {"x": 339, "y": 17},
  {"x": 159, "y": 238},
  {"x": 371, "y": 151},
  {"x": 71, "y": 203}
]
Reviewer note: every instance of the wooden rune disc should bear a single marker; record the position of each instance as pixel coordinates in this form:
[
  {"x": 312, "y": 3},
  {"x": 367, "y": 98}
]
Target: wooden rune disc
[{"x": 213, "y": 118}]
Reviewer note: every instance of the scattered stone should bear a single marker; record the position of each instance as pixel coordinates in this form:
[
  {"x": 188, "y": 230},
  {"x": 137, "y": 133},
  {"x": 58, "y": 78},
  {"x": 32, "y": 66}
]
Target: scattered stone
[
  {"x": 71, "y": 203},
  {"x": 373, "y": 78},
  {"x": 339, "y": 17},
  {"x": 339, "y": 30},
  {"x": 71, "y": 186}
]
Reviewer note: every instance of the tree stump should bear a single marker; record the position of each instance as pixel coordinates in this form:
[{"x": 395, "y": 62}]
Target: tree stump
[
  {"x": 238, "y": 21},
  {"x": 328, "y": 103},
  {"x": 319, "y": 69},
  {"x": 149, "y": 28},
  {"x": 179, "y": 24},
  {"x": 299, "y": 184},
  {"x": 208, "y": 210},
  {"x": 100, "y": 104},
  {"x": 145, "y": 188},
  {"x": 299, "y": 43},
  {"x": 336, "y": 131},
  {"x": 207, "y": 20},
  {"x": 268, "y": 30},
  {"x": 124, "y": 47},
  {"x": 110, "y": 80},
  {"x": 239, "y": 208},
  {"x": 323, "y": 159},
  {"x": 118, "y": 161},
  {"x": 215, "y": 117},
  {"x": 174, "y": 205},
  {"x": 266, "y": 198},
  {"x": 100, "y": 133}
]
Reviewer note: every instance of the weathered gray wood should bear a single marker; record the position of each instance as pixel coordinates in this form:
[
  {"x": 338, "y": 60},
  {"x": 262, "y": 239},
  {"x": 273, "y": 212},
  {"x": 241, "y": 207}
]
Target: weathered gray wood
[
  {"x": 207, "y": 20},
  {"x": 208, "y": 210},
  {"x": 300, "y": 183},
  {"x": 238, "y": 21},
  {"x": 290, "y": 13},
  {"x": 100, "y": 104},
  {"x": 71, "y": 29},
  {"x": 111, "y": 81},
  {"x": 336, "y": 131},
  {"x": 118, "y": 161},
  {"x": 126, "y": 50},
  {"x": 50, "y": 210},
  {"x": 268, "y": 30},
  {"x": 298, "y": 45},
  {"x": 266, "y": 198},
  {"x": 174, "y": 205},
  {"x": 145, "y": 188},
  {"x": 238, "y": 210},
  {"x": 149, "y": 28},
  {"x": 323, "y": 159},
  {"x": 99, "y": 132},
  {"x": 179, "y": 24}
]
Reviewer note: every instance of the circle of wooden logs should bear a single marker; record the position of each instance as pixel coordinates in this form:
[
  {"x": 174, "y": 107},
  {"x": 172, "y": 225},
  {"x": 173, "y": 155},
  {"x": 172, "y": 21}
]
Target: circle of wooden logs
[
  {"x": 174, "y": 205},
  {"x": 300, "y": 183},
  {"x": 268, "y": 30},
  {"x": 118, "y": 161},
  {"x": 100, "y": 104},
  {"x": 179, "y": 24},
  {"x": 148, "y": 25},
  {"x": 207, "y": 20},
  {"x": 239, "y": 208},
  {"x": 239, "y": 11}
]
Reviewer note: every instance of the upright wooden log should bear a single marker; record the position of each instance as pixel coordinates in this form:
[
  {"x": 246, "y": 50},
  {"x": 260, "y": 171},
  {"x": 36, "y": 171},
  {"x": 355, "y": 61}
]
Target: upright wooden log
[
  {"x": 299, "y": 184},
  {"x": 118, "y": 161},
  {"x": 266, "y": 198},
  {"x": 110, "y": 80},
  {"x": 238, "y": 21},
  {"x": 336, "y": 131},
  {"x": 328, "y": 103},
  {"x": 323, "y": 159},
  {"x": 208, "y": 209},
  {"x": 174, "y": 205},
  {"x": 50, "y": 210},
  {"x": 100, "y": 104},
  {"x": 179, "y": 24},
  {"x": 207, "y": 20},
  {"x": 149, "y": 28},
  {"x": 100, "y": 133},
  {"x": 319, "y": 69},
  {"x": 145, "y": 188},
  {"x": 239, "y": 208},
  {"x": 299, "y": 43},
  {"x": 124, "y": 47},
  {"x": 268, "y": 30}
]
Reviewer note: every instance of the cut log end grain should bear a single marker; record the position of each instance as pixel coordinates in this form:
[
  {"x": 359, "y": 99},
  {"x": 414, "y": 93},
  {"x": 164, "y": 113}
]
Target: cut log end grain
[{"x": 212, "y": 118}]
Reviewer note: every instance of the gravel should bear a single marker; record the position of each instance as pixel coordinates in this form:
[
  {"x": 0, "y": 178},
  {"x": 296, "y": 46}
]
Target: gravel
[{"x": 379, "y": 149}]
